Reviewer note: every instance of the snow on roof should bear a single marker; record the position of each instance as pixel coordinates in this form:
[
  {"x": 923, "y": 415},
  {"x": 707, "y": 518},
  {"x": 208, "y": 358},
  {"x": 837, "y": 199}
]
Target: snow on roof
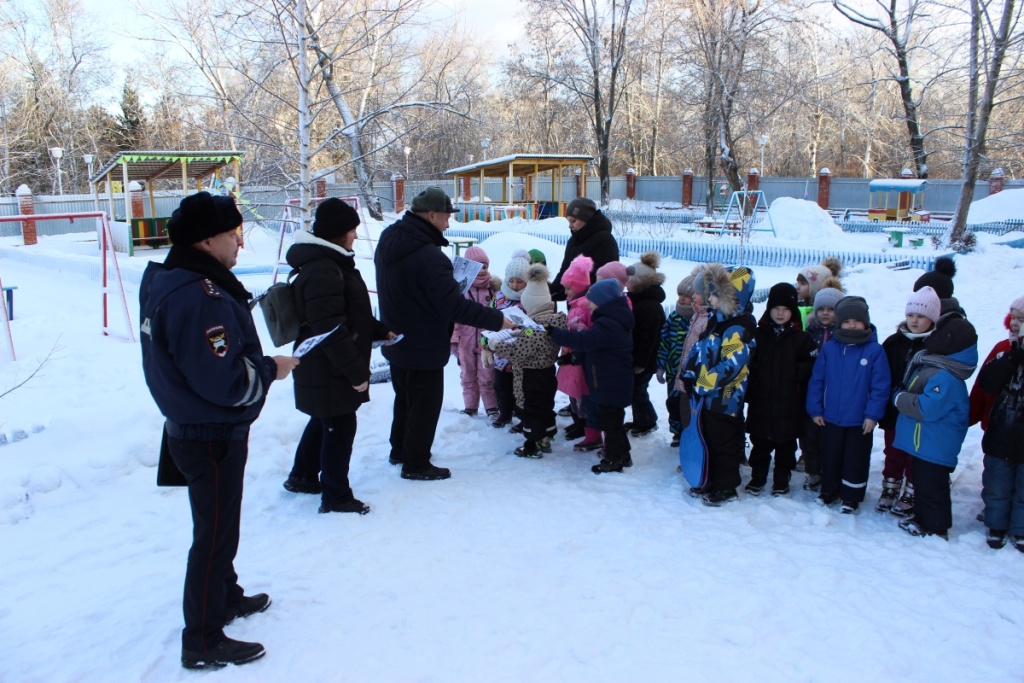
[
  {"x": 497, "y": 161},
  {"x": 899, "y": 184}
]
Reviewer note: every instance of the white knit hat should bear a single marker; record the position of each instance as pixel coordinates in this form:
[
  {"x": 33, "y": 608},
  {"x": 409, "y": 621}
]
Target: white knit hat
[{"x": 536, "y": 293}]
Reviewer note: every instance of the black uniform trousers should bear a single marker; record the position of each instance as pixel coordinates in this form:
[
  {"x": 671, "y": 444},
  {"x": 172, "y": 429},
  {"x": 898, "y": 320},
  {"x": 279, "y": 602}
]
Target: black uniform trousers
[
  {"x": 418, "y": 398},
  {"x": 616, "y": 441},
  {"x": 644, "y": 414},
  {"x": 504, "y": 393},
  {"x": 214, "y": 471},
  {"x": 326, "y": 448}
]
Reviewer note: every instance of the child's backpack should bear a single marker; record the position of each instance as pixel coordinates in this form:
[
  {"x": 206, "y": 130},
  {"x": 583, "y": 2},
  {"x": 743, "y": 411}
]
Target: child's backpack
[{"x": 279, "y": 311}]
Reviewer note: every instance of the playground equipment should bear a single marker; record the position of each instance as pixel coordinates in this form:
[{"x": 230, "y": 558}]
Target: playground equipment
[
  {"x": 898, "y": 200},
  {"x": 520, "y": 174},
  {"x": 149, "y": 167}
]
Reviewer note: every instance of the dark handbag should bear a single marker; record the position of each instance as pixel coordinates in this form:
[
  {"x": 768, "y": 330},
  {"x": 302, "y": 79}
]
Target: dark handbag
[{"x": 167, "y": 472}]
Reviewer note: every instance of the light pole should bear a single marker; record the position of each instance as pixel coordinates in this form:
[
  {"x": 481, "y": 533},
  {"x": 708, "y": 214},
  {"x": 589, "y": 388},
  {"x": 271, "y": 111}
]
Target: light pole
[
  {"x": 408, "y": 151},
  {"x": 56, "y": 153},
  {"x": 763, "y": 141},
  {"x": 485, "y": 143},
  {"x": 88, "y": 159}
]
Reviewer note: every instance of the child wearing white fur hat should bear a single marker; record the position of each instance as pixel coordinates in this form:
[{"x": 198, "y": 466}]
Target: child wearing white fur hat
[
  {"x": 532, "y": 355},
  {"x": 922, "y": 313},
  {"x": 507, "y": 296}
]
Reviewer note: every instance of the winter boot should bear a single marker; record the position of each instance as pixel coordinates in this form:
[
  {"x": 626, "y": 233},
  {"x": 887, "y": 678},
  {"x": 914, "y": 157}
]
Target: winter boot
[
  {"x": 849, "y": 507},
  {"x": 530, "y": 449},
  {"x": 1018, "y": 542},
  {"x": 904, "y": 506},
  {"x": 468, "y": 411},
  {"x": 575, "y": 431},
  {"x": 996, "y": 539},
  {"x": 499, "y": 421},
  {"x": 812, "y": 482},
  {"x": 717, "y": 499},
  {"x": 754, "y": 488},
  {"x": 643, "y": 430},
  {"x": 565, "y": 411},
  {"x": 675, "y": 441},
  {"x": 545, "y": 444},
  {"x": 591, "y": 440},
  {"x": 606, "y": 465},
  {"x": 890, "y": 492}
]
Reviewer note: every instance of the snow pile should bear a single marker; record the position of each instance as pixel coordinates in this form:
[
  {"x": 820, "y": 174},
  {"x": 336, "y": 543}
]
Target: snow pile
[
  {"x": 1007, "y": 205},
  {"x": 798, "y": 220}
]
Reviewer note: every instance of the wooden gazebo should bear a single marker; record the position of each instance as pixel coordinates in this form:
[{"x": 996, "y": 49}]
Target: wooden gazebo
[
  {"x": 525, "y": 168},
  {"x": 150, "y": 166}
]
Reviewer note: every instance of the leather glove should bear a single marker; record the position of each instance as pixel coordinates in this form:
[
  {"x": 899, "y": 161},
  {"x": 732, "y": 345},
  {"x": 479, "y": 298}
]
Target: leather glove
[
  {"x": 564, "y": 359},
  {"x": 487, "y": 358},
  {"x": 660, "y": 374}
]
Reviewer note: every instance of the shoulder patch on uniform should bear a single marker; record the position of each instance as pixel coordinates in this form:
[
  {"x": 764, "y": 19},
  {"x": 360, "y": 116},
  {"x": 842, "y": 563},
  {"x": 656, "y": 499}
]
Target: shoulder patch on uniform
[
  {"x": 210, "y": 288},
  {"x": 217, "y": 338}
]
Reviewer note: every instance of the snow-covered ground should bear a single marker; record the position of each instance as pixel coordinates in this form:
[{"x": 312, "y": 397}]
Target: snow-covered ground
[{"x": 512, "y": 570}]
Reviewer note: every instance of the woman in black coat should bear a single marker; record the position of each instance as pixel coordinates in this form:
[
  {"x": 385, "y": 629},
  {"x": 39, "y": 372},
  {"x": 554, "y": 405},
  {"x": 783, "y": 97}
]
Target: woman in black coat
[
  {"x": 591, "y": 237},
  {"x": 334, "y": 382}
]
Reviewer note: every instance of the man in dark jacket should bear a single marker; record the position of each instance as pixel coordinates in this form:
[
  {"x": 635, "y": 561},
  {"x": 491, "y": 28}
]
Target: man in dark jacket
[
  {"x": 591, "y": 237},
  {"x": 206, "y": 370},
  {"x": 420, "y": 299}
]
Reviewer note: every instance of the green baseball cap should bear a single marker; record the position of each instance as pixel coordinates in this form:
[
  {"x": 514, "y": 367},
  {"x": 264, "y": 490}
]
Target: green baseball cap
[{"x": 432, "y": 199}]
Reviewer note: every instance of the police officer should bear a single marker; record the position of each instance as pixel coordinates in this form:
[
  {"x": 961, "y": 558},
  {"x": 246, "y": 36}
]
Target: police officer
[{"x": 206, "y": 370}]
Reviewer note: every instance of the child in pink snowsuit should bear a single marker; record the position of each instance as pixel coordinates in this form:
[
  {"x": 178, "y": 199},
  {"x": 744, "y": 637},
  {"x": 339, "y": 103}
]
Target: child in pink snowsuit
[
  {"x": 477, "y": 380},
  {"x": 571, "y": 379}
]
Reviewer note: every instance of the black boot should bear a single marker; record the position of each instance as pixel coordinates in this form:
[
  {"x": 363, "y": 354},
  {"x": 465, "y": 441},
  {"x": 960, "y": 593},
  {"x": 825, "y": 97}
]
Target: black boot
[{"x": 226, "y": 652}]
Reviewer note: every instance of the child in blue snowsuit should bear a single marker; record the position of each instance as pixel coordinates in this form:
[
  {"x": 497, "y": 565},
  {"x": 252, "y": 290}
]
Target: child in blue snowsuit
[
  {"x": 717, "y": 372},
  {"x": 846, "y": 397},
  {"x": 934, "y": 413},
  {"x": 608, "y": 363}
]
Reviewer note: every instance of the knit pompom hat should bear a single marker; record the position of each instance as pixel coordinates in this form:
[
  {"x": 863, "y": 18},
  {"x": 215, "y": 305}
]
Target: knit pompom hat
[
  {"x": 537, "y": 293},
  {"x": 1018, "y": 305},
  {"x": 614, "y": 270},
  {"x": 643, "y": 273},
  {"x": 829, "y": 294},
  {"x": 516, "y": 268},
  {"x": 924, "y": 302},
  {"x": 940, "y": 278},
  {"x": 577, "y": 275},
  {"x": 815, "y": 276},
  {"x": 603, "y": 291},
  {"x": 537, "y": 256},
  {"x": 475, "y": 253}
]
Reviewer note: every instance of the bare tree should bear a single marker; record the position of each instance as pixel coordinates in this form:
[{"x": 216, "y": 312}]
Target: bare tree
[{"x": 994, "y": 32}]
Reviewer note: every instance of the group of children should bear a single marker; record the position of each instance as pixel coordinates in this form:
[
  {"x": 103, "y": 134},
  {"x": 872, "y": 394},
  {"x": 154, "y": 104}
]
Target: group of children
[{"x": 810, "y": 374}]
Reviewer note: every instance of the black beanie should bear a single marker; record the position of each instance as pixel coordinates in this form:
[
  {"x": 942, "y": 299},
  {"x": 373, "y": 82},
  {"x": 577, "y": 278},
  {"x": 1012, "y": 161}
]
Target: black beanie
[
  {"x": 952, "y": 334},
  {"x": 202, "y": 215},
  {"x": 783, "y": 294},
  {"x": 334, "y": 218},
  {"x": 581, "y": 208},
  {"x": 940, "y": 278}
]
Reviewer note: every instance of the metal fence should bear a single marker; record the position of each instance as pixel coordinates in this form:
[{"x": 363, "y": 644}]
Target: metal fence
[{"x": 267, "y": 204}]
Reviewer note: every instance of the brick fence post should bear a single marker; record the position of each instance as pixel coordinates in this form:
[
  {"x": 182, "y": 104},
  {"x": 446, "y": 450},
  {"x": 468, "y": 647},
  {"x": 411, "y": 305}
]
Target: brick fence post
[
  {"x": 995, "y": 182},
  {"x": 581, "y": 184},
  {"x": 136, "y": 194},
  {"x": 687, "y": 186},
  {"x": 320, "y": 188},
  {"x": 824, "y": 183},
  {"x": 467, "y": 187},
  {"x": 398, "y": 188},
  {"x": 630, "y": 184},
  {"x": 753, "y": 183},
  {"x": 27, "y": 207}
]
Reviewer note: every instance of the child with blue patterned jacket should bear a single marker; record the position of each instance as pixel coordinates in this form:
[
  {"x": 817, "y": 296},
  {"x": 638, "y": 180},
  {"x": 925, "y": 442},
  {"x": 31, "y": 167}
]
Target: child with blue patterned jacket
[
  {"x": 846, "y": 397},
  {"x": 717, "y": 372},
  {"x": 934, "y": 414}
]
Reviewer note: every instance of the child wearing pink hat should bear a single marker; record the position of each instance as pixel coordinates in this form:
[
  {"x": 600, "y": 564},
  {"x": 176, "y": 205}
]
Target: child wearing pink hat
[
  {"x": 922, "y": 312},
  {"x": 476, "y": 376},
  {"x": 571, "y": 379}
]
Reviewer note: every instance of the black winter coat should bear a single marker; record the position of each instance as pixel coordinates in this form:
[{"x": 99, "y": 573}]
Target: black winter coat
[
  {"x": 419, "y": 297},
  {"x": 1004, "y": 436},
  {"x": 649, "y": 317},
  {"x": 607, "y": 347},
  {"x": 777, "y": 393},
  {"x": 899, "y": 349},
  {"x": 595, "y": 240},
  {"x": 330, "y": 292}
]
